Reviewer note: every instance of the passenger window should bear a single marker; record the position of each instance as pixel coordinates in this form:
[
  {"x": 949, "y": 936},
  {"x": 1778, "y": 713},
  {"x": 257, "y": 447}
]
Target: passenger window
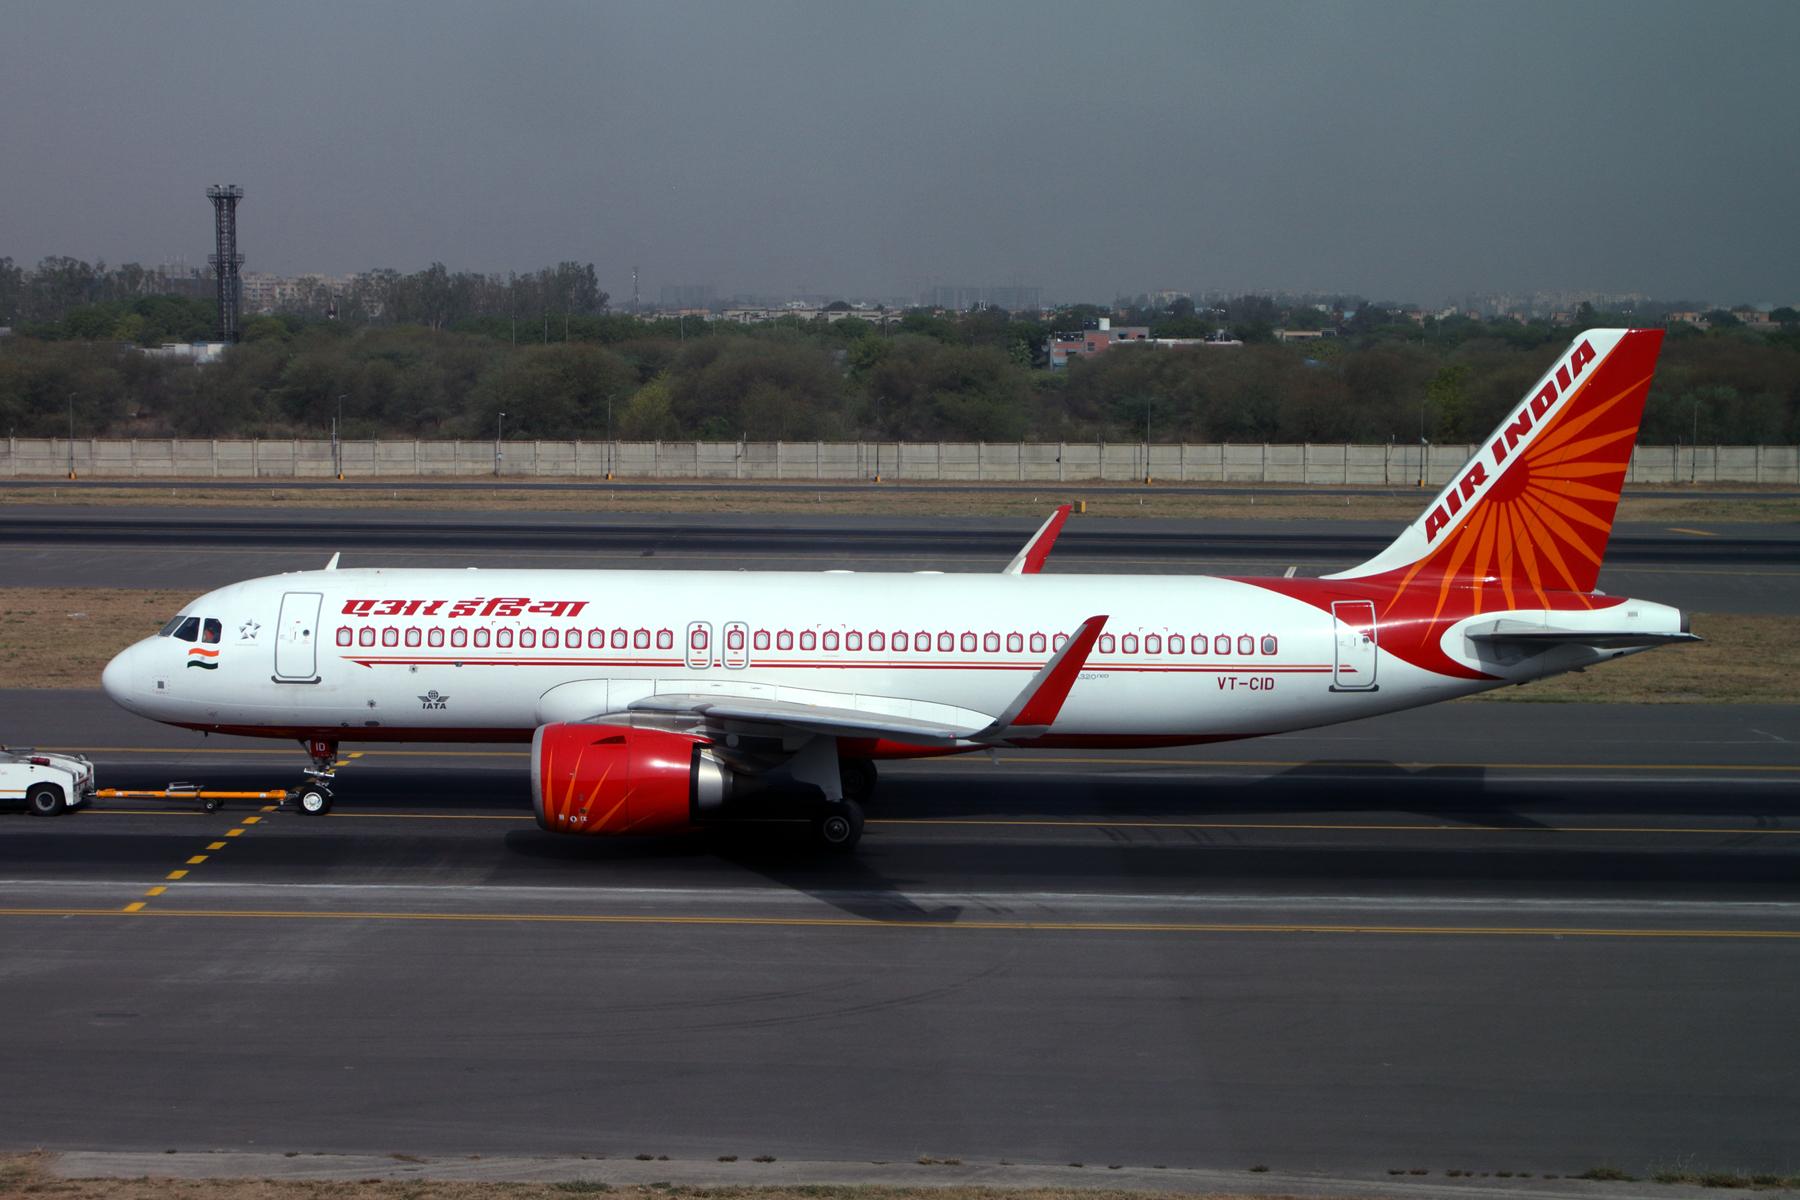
[
  {"x": 482, "y": 638},
  {"x": 597, "y": 639},
  {"x": 344, "y": 636},
  {"x": 1128, "y": 644},
  {"x": 877, "y": 640},
  {"x": 1107, "y": 643},
  {"x": 552, "y": 639},
  {"x": 1268, "y": 645},
  {"x": 1038, "y": 644},
  {"x": 665, "y": 639},
  {"x": 853, "y": 640},
  {"x": 390, "y": 636},
  {"x": 1152, "y": 643},
  {"x": 946, "y": 640},
  {"x": 1222, "y": 644},
  {"x": 828, "y": 640},
  {"x": 188, "y": 630},
  {"x": 640, "y": 639},
  {"x": 414, "y": 637},
  {"x": 209, "y": 632},
  {"x": 1015, "y": 643},
  {"x": 528, "y": 639},
  {"x": 503, "y": 638},
  {"x": 1246, "y": 644},
  {"x": 760, "y": 639},
  {"x": 900, "y": 642},
  {"x": 968, "y": 643},
  {"x": 365, "y": 636},
  {"x": 459, "y": 637},
  {"x": 991, "y": 643},
  {"x": 1059, "y": 641},
  {"x": 808, "y": 640},
  {"x": 1177, "y": 644},
  {"x": 618, "y": 639},
  {"x": 921, "y": 641},
  {"x": 734, "y": 638},
  {"x": 434, "y": 637},
  {"x": 784, "y": 640},
  {"x": 697, "y": 637}
]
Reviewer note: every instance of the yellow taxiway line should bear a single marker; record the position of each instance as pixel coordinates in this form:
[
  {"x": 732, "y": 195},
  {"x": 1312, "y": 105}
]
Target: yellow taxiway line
[{"x": 969, "y": 926}]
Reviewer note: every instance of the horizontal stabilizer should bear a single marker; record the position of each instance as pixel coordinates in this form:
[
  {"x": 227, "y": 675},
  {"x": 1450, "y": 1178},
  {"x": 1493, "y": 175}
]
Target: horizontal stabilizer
[{"x": 1600, "y": 639}]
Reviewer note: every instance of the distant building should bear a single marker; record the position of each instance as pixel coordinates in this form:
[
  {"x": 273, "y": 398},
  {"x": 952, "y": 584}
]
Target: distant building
[
  {"x": 1695, "y": 319},
  {"x": 961, "y": 299},
  {"x": 1751, "y": 316},
  {"x": 1303, "y": 335},
  {"x": 687, "y": 295},
  {"x": 1059, "y": 348},
  {"x": 199, "y": 353}
]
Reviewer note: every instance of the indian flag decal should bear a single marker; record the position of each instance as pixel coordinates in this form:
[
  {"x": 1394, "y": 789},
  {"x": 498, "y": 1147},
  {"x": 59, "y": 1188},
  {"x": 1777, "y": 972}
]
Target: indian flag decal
[{"x": 206, "y": 660}]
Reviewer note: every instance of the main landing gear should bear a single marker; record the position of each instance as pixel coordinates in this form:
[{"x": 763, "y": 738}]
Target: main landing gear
[
  {"x": 838, "y": 826},
  {"x": 313, "y": 796}
]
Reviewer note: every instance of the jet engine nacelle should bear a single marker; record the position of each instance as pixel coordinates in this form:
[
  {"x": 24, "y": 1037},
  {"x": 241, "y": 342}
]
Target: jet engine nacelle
[{"x": 611, "y": 779}]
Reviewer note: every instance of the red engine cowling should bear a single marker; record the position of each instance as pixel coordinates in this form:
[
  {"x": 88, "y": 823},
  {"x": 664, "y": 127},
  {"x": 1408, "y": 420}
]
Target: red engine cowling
[{"x": 610, "y": 779}]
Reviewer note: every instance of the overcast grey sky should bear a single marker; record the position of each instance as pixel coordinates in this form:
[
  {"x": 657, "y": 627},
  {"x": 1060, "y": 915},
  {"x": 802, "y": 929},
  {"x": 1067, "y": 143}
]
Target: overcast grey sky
[{"x": 1405, "y": 151}]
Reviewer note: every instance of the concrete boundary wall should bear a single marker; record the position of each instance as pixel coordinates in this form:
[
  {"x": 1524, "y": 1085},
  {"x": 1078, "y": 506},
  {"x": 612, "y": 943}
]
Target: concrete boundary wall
[{"x": 992, "y": 462}]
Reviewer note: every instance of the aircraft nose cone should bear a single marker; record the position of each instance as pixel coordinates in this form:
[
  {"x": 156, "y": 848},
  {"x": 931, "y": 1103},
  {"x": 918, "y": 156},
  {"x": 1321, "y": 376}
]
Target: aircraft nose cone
[{"x": 118, "y": 679}]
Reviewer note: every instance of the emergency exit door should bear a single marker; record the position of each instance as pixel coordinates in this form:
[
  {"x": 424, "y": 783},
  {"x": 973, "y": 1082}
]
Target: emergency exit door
[
  {"x": 297, "y": 638},
  {"x": 1353, "y": 670}
]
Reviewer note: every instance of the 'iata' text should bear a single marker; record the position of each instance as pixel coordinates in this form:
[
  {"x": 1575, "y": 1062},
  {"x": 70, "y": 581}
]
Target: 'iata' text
[{"x": 480, "y": 606}]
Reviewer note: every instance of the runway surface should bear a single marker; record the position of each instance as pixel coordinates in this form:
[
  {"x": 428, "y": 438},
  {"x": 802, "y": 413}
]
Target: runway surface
[
  {"x": 1714, "y": 567},
  {"x": 1518, "y": 936}
]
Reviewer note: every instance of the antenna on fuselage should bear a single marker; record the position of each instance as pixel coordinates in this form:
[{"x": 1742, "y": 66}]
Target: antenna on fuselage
[{"x": 332, "y": 565}]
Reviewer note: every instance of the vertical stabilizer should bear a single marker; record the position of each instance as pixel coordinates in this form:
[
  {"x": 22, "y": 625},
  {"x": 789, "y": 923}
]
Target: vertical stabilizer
[{"x": 1531, "y": 513}]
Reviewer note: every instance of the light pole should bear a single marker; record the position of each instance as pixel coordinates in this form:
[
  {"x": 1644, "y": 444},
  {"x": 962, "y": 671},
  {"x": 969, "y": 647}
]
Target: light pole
[
  {"x": 609, "y": 437},
  {"x": 1146, "y": 439},
  {"x": 1693, "y": 456},
  {"x": 337, "y": 446},
  {"x": 499, "y": 433},
  {"x": 1422, "y": 444},
  {"x": 72, "y": 435}
]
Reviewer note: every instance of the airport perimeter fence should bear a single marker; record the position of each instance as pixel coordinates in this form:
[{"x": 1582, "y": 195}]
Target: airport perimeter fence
[{"x": 910, "y": 462}]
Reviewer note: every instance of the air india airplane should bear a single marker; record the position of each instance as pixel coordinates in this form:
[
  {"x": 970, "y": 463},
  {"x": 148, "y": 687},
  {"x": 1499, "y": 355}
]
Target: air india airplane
[{"x": 657, "y": 702}]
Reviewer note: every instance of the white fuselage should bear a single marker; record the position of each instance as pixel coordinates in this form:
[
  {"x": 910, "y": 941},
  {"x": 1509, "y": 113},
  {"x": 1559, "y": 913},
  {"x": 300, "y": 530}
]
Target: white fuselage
[{"x": 372, "y": 654}]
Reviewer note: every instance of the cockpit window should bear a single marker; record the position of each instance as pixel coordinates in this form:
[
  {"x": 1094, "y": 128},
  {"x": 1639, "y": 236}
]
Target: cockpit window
[
  {"x": 188, "y": 630},
  {"x": 209, "y": 631},
  {"x": 174, "y": 624}
]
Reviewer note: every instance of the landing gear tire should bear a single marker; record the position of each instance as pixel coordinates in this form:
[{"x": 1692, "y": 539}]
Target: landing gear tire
[
  {"x": 45, "y": 801},
  {"x": 838, "y": 827},
  {"x": 858, "y": 778},
  {"x": 314, "y": 801}
]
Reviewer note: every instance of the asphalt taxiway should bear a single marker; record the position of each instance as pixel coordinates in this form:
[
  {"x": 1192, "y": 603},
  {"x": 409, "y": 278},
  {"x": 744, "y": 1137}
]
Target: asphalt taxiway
[
  {"x": 1531, "y": 937},
  {"x": 1713, "y": 567}
]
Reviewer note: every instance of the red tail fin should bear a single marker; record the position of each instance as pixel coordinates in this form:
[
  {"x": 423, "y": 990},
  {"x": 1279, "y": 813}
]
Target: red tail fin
[{"x": 1531, "y": 513}]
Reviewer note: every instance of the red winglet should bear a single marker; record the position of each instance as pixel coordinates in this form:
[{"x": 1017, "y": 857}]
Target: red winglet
[
  {"x": 1030, "y": 560},
  {"x": 1043, "y": 697}
]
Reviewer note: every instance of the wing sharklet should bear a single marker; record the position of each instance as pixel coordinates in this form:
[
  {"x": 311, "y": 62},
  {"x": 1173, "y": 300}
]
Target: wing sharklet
[
  {"x": 1037, "y": 705},
  {"x": 1030, "y": 559}
]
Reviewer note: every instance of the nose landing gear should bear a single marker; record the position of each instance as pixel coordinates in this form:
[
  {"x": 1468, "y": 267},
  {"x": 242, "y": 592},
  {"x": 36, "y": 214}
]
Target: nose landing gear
[{"x": 313, "y": 796}]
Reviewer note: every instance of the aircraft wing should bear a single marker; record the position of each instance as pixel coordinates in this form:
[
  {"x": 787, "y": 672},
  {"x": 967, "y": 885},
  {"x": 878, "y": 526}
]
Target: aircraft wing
[{"x": 1031, "y": 712}]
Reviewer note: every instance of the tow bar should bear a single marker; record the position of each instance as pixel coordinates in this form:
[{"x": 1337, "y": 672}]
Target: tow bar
[{"x": 210, "y": 801}]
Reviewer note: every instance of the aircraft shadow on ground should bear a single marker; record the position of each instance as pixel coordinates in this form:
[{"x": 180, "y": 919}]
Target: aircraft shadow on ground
[{"x": 1331, "y": 828}]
